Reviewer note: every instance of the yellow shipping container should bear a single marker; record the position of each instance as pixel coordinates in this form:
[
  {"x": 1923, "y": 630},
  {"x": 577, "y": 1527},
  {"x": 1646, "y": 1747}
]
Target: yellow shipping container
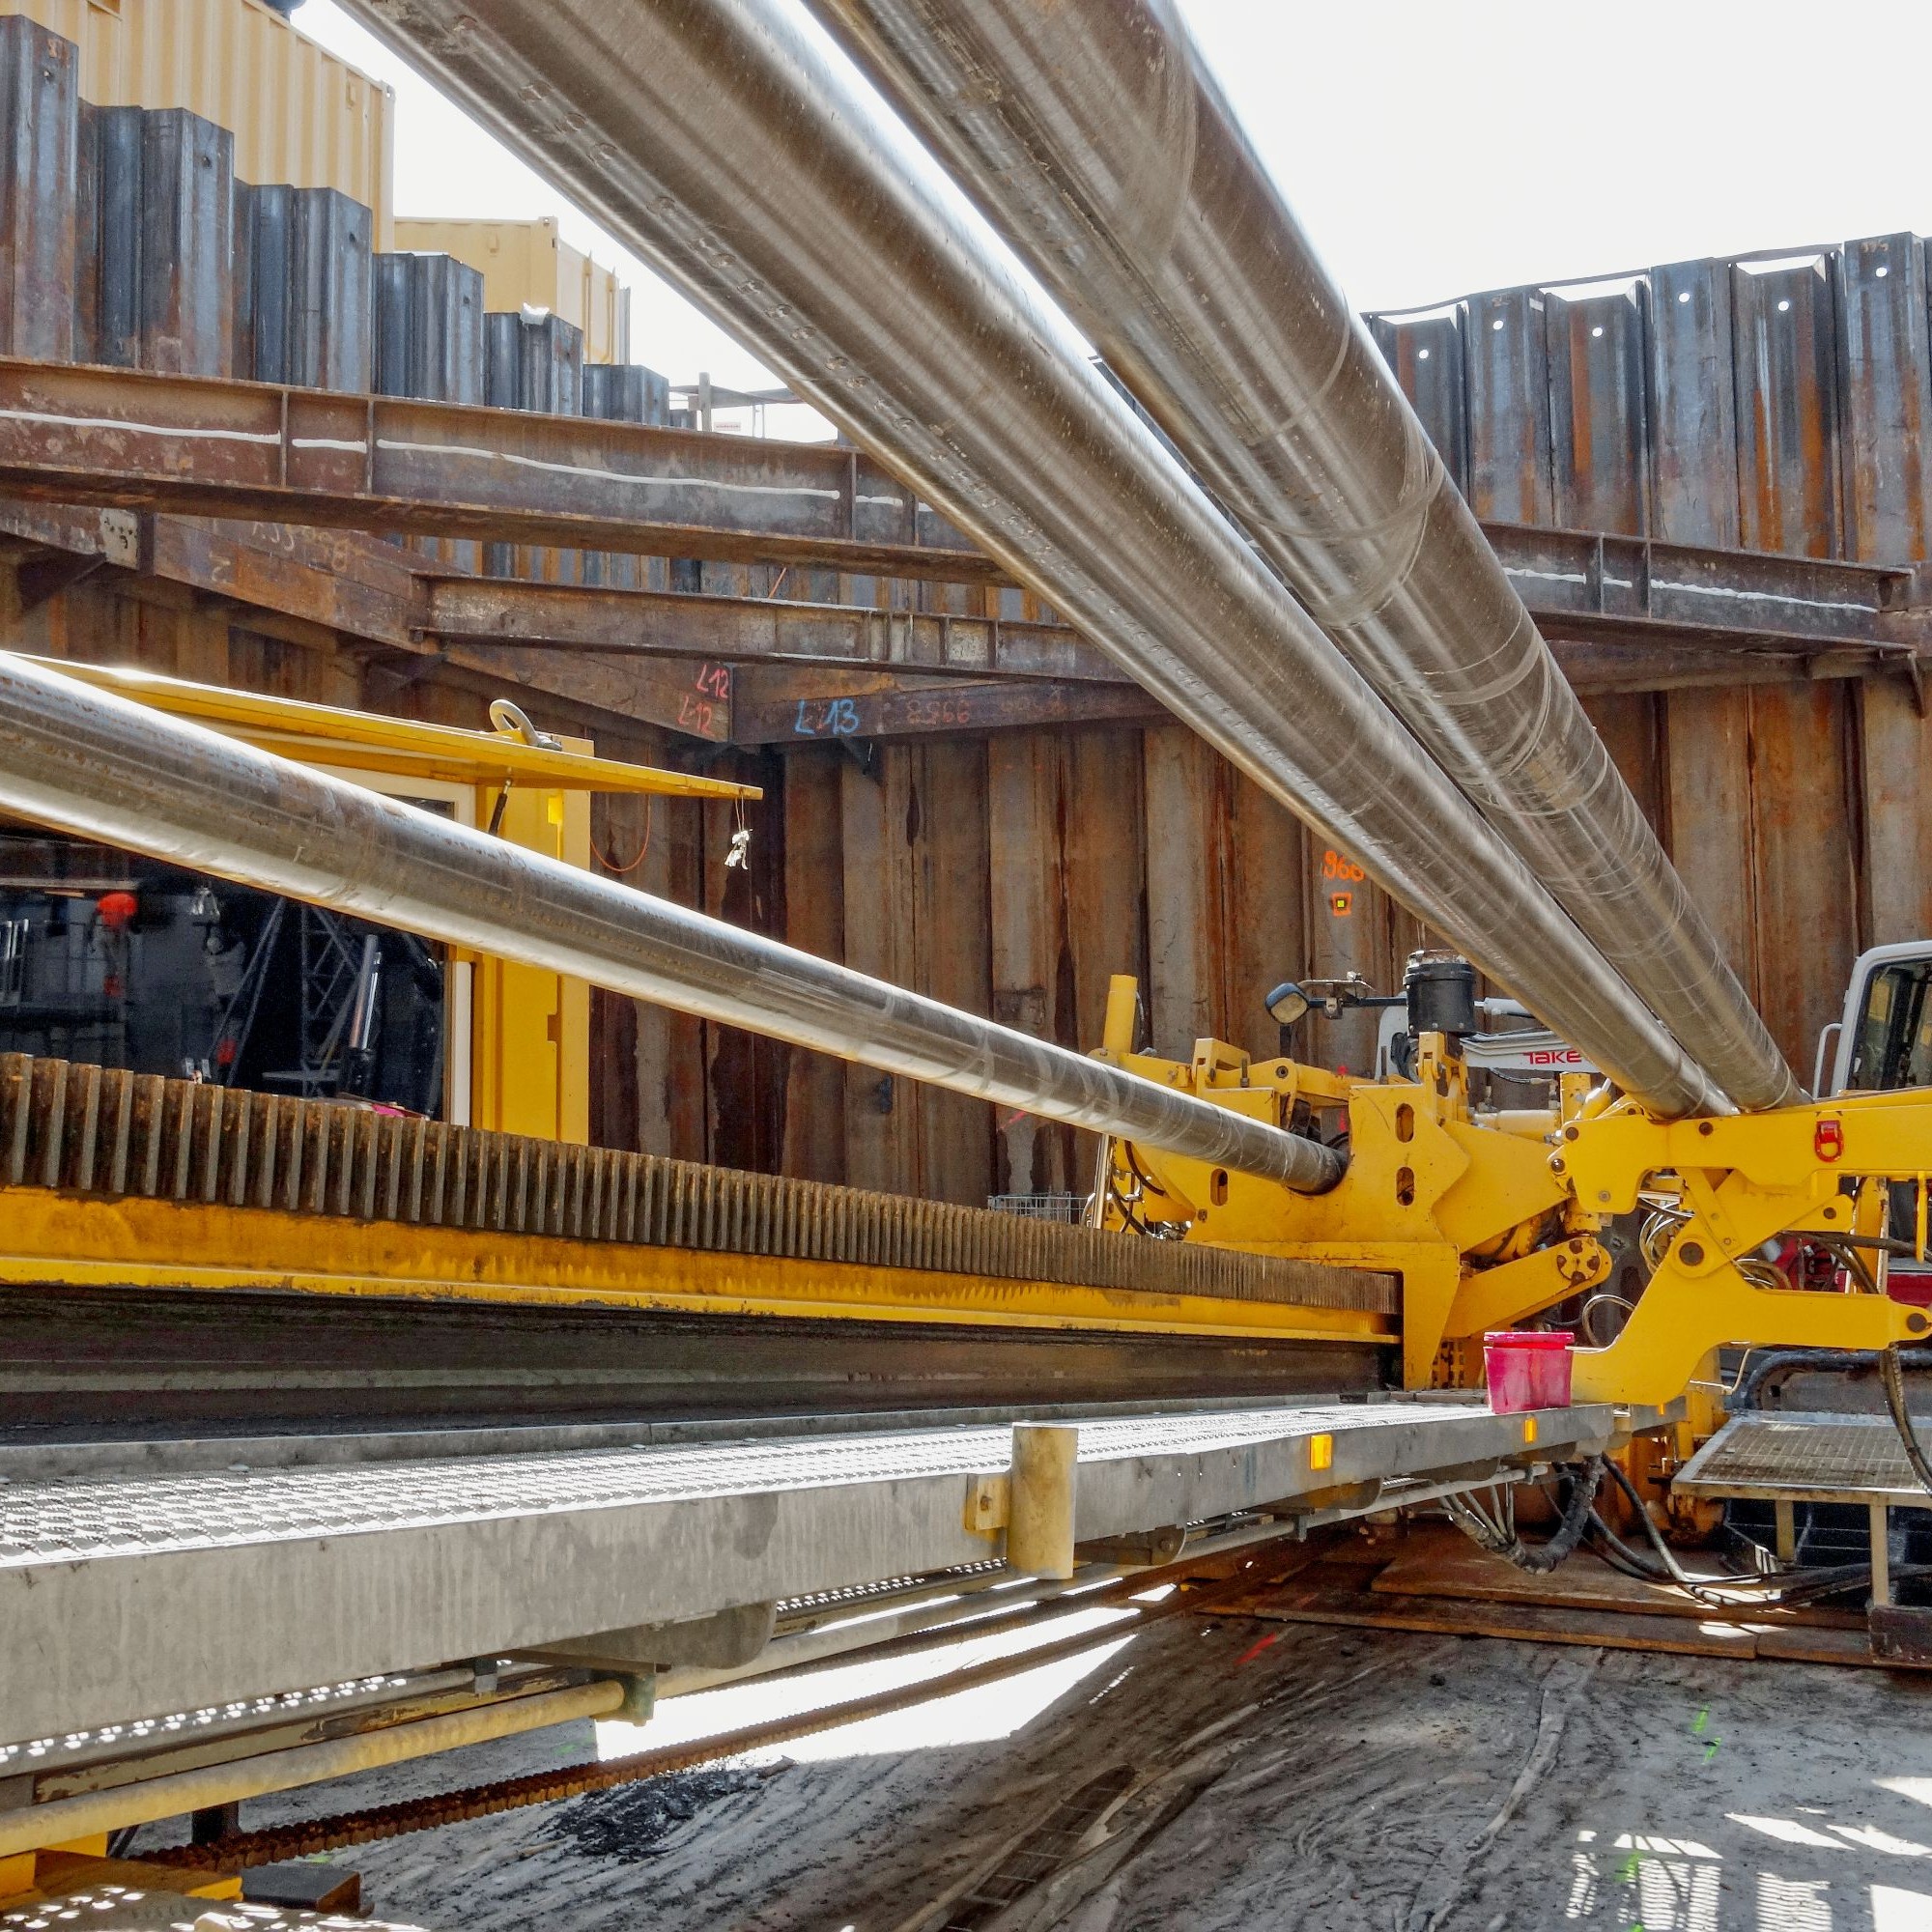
[
  {"x": 298, "y": 112},
  {"x": 529, "y": 262}
]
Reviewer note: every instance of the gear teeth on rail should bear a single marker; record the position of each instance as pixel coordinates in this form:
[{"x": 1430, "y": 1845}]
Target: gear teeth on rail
[{"x": 108, "y": 1133}]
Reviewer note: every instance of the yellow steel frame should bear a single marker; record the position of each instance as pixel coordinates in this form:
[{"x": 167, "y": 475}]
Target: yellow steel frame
[
  {"x": 1487, "y": 1219},
  {"x": 325, "y": 734},
  {"x": 529, "y": 1031},
  {"x": 51, "y": 1237},
  {"x": 1454, "y": 1206},
  {"x": 1820, "y": 1169},
  {"x": 1491, "y": 1219}
]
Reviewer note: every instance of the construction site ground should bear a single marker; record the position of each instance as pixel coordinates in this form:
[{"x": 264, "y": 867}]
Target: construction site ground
[{"x": 1248, "y": 1770}]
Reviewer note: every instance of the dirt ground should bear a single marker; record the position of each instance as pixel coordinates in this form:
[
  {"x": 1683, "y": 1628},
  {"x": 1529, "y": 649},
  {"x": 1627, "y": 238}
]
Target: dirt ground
[{"x": 1222, "y": 1775}]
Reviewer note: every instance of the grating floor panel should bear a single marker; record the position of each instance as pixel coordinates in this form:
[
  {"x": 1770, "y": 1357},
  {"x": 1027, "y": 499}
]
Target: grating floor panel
[
  {"x": 76, "y": 1518},
  {"x": 1804, "y": 1459}
]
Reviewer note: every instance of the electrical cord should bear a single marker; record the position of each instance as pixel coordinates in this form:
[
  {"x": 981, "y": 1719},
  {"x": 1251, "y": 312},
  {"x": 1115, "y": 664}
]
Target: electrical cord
[
  {"x": 1750, "y": 1389},
  {"x": 1787, "y": 1589},
  {"x": 1782, "y": 1593},
  {"x": 1160, "y": 1231},
  {"x": 1665, "y": 1555},
  {"x": 1579, "y": 1517},
  {"x": 1595, "y": 1302},
  {"x": 611, "y": 864}
]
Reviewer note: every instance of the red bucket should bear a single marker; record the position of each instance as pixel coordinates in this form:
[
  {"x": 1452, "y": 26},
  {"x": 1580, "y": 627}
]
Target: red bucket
[{"x": 1527, "y": 1369}]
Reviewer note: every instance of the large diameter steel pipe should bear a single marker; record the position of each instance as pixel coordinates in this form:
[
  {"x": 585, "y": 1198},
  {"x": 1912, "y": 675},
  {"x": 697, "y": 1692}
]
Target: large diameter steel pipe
[
  {"x": 727, "y": 142},
  {"x": 1092, "y": 136},
  {"x": 103, "y": 767}
]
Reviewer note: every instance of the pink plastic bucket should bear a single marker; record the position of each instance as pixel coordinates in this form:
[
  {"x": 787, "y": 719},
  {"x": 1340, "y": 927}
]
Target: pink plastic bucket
[{"x": 1527, "y": 1370}]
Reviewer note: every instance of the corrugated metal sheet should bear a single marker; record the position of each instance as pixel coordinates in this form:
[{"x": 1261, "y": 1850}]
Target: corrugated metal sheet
[
  {"x": 428, "y": 328},
  {"x": 1426, "y": 352},
  {"x": 527, "y": 264},
  {"x": 298, "y": 114},
  {"x": 1785, "y": 336},
  {"x": 302, "y": 291},
  {"x": 38, "y": 124},
  {"x": 1693, "y": 398},
  {"x": 155, "y": 203},
  {"x": 1508, "y": 388},
  {"x": 1598, "y": 422}
]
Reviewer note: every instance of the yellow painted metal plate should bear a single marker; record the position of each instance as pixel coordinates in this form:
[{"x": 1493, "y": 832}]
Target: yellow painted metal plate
[
  {"x": 406, "y": 748},
  {"x": 57, "y": 1239}
]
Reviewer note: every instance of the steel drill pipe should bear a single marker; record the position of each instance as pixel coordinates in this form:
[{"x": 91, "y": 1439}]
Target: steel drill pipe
[
  {"x": 727, "y": 142},
  {"x": 1092, "y": 136},
  {"x": 103, "y": 767}
]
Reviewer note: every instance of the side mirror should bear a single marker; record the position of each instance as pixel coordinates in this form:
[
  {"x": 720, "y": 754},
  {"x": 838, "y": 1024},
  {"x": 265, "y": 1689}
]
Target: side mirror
[{"x": 1287, "y": 1002}]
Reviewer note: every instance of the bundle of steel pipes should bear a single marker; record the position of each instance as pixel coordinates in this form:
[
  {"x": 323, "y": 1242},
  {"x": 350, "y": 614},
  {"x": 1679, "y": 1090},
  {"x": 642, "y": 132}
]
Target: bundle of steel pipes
[{"x": 1339, "y": 629}]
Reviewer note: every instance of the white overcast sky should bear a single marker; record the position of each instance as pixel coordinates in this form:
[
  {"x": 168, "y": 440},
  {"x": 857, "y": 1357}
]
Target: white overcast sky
[{"x": 1429, "y": 149}]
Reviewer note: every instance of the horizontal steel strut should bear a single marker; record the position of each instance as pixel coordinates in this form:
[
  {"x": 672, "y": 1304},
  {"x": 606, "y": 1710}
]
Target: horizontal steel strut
[{"x": 108, "y": 1133}]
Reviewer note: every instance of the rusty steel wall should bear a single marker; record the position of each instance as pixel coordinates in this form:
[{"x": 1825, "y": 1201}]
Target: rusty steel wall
[{"x": 1770, "y": 403}]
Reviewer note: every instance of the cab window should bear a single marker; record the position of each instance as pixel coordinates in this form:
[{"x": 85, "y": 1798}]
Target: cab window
[{"x": 1893, "y": 1044}]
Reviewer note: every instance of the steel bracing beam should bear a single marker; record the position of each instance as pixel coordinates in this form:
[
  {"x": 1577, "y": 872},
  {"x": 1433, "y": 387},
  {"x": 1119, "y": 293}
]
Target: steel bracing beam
[
  {"x": 1622, "y": 613},
  {"x": 207, "y": 447},
  {"x": 204, "y": 446},
  {"x": 1636, "y": 616}
]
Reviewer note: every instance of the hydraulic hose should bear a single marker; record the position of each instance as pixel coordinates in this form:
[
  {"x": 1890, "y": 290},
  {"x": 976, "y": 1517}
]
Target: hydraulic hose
[
  {"x": 1891, "y": 1378},
  {"x": 1537, "y": 1558}
]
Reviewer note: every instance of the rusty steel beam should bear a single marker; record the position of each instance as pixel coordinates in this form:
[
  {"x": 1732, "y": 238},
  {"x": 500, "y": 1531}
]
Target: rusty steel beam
[
  {"x": 315, "y": 588},
  {"x": 1701, "y": 603},
  {"x": 289, "y": 458},
  {"x": 656, "y": 657},
  {"x": 787, "y": 707},
  {"x": 207, "y": 447},
  {"x": 1590, "y": 583},
  {"x": 755, "y": 629}
]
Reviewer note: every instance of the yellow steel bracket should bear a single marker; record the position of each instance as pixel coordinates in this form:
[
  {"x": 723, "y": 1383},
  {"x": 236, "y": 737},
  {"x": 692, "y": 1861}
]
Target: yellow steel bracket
[
  {"x": 1512, "y": 1291},
  {"x": 1743, "y": 1181},
  {"x": 1427, "y": 1190}
]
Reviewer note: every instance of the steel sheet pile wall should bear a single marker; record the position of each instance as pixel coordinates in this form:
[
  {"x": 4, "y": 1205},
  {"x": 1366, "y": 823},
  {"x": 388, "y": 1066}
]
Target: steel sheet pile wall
[
  {"x": 1770, "y": 402},
  {"x": 300, "y": 113},
  {"x": 1768, "y": 405}
]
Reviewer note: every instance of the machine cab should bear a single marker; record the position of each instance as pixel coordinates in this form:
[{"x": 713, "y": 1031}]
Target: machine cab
[{"x": 1883, "y": 1039}]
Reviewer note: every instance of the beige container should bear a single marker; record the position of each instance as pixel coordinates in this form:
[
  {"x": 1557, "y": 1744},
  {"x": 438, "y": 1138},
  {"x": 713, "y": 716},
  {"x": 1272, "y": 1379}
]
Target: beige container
[
  {"x": 298, "y": 114},
  {"x": 529, "y": 262}
]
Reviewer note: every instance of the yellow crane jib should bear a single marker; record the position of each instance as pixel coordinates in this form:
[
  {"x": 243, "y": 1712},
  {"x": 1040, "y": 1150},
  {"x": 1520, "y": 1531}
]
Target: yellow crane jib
[{"x": 1491, "y": 1216}]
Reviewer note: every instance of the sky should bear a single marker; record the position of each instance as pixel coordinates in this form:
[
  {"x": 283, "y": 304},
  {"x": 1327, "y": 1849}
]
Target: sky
[{"x": 1429, "y": 150}]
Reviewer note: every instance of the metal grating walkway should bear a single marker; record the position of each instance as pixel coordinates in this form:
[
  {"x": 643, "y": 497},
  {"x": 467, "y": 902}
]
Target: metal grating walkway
[
  {"x": 1821, "y": 1459},
  {"x": 242, "y": 1583},
  {"x": 149, "y": 1515}
]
